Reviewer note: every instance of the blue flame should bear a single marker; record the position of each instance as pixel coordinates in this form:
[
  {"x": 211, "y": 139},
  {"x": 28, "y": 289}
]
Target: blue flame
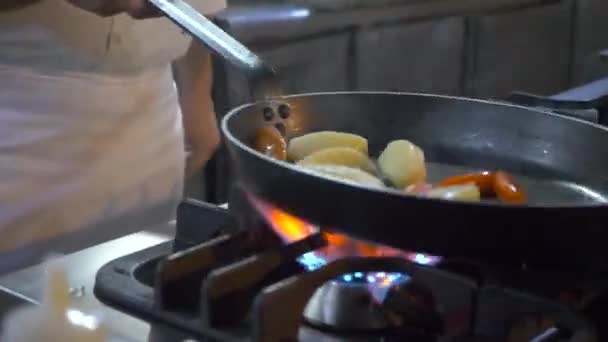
[
  {"x": 381, "y": 281},
  {"x": 423, "y": 259},
  {"x": 311, "y": 261}
]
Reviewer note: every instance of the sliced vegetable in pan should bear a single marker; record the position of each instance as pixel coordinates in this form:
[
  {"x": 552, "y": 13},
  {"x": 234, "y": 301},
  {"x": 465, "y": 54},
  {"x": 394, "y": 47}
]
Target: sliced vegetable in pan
[
  {"x": 467, "y": 192},
  {"x": 345, "y": 173},
  {"x": 484, "y": 181},
  {"x": 303, "y": 146},
  {"x": 418, "y": 188},
  {"x": 402, "y": 163},
  {"x": 344, "y": 157},
  {"x": 499, "y": 184},
  {"x": 270, "y": 142},
  {"x": 507, "y": 190}
]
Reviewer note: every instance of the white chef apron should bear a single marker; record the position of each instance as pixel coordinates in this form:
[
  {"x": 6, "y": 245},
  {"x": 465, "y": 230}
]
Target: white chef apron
[{"x": 84, "y": 157}]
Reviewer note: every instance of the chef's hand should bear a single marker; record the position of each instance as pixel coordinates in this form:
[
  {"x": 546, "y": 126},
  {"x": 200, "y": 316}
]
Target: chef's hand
[{"x": 138, "y": 9}]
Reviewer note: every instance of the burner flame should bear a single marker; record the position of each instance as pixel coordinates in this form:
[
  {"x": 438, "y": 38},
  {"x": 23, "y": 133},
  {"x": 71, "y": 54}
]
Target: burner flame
[{"x": 291, "y": 228}]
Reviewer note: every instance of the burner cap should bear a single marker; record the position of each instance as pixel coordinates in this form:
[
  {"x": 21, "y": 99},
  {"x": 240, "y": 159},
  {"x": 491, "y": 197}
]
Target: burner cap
[
  {"x": 374, "y": 301},
  {"x": 345, "y": 305}
]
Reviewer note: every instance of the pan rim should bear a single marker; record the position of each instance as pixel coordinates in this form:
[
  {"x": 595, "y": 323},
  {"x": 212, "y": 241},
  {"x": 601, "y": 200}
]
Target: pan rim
[{"x": 399, "y": 195}]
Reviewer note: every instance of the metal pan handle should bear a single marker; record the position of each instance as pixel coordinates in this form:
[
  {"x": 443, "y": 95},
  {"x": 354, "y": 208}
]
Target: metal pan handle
[
  {"x": 588, "y": 101},
  {"x": 261, "y": 75}
]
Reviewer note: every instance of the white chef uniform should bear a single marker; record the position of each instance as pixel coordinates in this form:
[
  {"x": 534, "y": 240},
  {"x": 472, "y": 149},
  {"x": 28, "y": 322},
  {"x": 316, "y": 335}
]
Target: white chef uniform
[{"x": 91, "y": 143}]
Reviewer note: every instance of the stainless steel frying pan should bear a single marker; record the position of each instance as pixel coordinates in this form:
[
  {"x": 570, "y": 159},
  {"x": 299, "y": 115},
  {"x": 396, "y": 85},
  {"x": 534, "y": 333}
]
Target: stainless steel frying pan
[{"x": 561, "y": 162}]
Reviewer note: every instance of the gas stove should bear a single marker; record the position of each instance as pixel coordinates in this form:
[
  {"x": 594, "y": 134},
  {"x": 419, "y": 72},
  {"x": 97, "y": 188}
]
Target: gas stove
[{"x": 255, "y": 273}]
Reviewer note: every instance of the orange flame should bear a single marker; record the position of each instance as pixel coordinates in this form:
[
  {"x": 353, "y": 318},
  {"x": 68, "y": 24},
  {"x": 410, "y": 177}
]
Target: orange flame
[
  {"x": 287, "y": 226},
  {"x": 291, "y": 228}
]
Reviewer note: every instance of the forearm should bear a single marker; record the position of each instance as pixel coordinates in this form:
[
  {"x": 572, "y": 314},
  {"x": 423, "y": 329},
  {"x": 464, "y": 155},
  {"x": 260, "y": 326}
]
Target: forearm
[
  {"x": 193, "y": 76},
  {"x": 11, "y": 5}
]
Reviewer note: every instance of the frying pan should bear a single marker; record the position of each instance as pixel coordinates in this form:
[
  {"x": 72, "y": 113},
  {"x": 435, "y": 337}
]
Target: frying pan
[{"x": 560, "y": 161}]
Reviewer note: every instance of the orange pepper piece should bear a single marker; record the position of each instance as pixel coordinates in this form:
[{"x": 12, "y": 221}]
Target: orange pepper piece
[
  {"x": 484, "y": 180},
  {"x": 498, "y": 183},
  {"x": 270, "y": 142},
  {"x": 507, "y": 190}
]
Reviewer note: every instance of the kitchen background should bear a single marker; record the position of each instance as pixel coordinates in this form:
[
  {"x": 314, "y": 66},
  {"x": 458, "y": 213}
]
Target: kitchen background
[{"x": 476, "y": 48}]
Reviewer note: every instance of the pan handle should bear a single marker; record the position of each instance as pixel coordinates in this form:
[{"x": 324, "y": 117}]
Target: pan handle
[
  {"x": 577, "y": 102},
  {"x": 262, "y": 77},
  {"x": 603, "y": 55}
]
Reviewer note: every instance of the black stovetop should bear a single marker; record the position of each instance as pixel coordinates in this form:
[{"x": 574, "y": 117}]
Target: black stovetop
[{"x": 218, "y": 282}]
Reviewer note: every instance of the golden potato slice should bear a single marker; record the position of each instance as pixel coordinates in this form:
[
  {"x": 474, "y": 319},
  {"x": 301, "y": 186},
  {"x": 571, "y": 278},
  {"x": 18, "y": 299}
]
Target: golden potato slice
[
  {"x": 303, "y": 146},
  {"x": 402, "y": 163},
  {"x": 344, "y": 156},
  {"x": 345, "y": 174},
  {"x": 469, "y": 192}
]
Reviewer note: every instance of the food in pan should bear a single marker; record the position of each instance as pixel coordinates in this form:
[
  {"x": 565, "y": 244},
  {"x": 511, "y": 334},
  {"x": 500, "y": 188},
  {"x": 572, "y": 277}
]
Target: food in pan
[
  {"x": 418, "y": 188},
  {"x": 344, "y": 157},
  {"x": 507, "y": 190},
  {"x": 484, "y": 181},
  {"x": 303, "y": 146},
  {"x": 498, "y": 184},
  {"x": 463, "y": 192},
  {"x": 467, "y": 192},
  {"x": 402, "y": 163},
  {"x": 347, "y": 174},
  {"x": 270, "y": 142}
]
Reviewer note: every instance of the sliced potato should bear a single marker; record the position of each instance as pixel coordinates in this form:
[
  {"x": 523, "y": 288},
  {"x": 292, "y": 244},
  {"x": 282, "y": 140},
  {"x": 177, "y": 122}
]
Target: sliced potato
[
  {"x": 344, "y": 156},
  {"x": 345, "y": 174},
  {"x": 418, "y": 188},
  {"x": 469, "y": 192},
  {"x": 402, "y": 163},
  {"x": 305, "y": 145}
]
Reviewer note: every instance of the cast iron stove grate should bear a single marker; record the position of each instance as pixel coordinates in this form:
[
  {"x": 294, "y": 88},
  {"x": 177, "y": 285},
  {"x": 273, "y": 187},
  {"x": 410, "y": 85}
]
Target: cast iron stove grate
[{"x": 217, "y": 283}]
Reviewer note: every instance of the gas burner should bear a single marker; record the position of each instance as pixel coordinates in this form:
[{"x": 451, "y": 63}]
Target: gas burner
[
  {"x": 387, "y": 303},
  {"x": 344, "y": 307},
  {"x": 351, "y": 303},
  {"x": 411, "y": 305}
]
